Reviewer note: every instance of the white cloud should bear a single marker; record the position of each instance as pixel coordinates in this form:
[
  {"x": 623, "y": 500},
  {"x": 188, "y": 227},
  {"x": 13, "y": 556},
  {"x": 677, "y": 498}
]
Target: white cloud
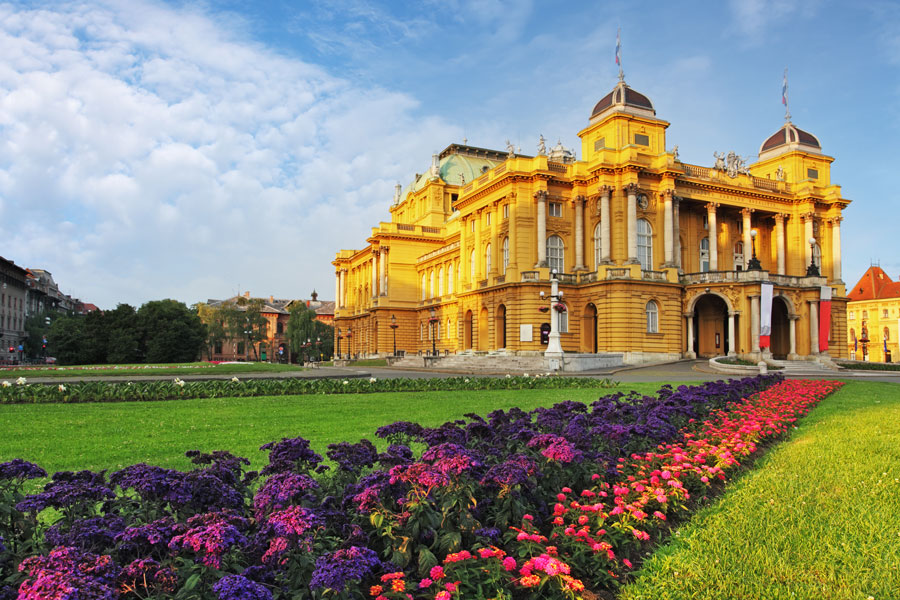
[{"x": 147, "y": 152}]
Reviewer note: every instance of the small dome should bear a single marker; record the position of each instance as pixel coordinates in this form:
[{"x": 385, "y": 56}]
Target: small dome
[
  {"x": 561, "y": 154},
  {"x": 789, "y": 138},
  {"x": 623, "y": 98}
]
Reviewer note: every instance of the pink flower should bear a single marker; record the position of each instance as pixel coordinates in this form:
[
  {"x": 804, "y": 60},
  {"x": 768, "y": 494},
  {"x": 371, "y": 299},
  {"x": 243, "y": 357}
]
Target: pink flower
[
  {"x": 425, "y": 583},
  {"x": 437, "y": 572},
  {"x": 627, "y": 563},
  {"x": 442, "y": 595},
  {"x": 509, "y": 563}
]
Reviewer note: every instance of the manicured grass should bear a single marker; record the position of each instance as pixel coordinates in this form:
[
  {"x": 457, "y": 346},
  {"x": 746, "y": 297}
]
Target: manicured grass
[
  {"x": 169, "y": 370},
  {"x": 114, "y": 435},
  {"x": 815, "y": 518},
  {"x": 870, "y": 366}
]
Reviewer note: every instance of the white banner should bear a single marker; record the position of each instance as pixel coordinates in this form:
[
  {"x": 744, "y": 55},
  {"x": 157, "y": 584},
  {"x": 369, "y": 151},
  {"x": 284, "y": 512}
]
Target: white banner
[{"x": 765, "y": 309}]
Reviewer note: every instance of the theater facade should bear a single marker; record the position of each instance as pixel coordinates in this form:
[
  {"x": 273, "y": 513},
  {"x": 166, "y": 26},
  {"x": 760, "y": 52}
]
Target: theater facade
[{"x": 656, "y": 259}]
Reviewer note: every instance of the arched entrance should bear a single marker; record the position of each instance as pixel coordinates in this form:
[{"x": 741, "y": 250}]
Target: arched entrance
[
  {"x": 589, "y": 329},
  {"x": 711, "y": 325},
  {"x": 483, "y": 329},
  {"x": 781, "y": 329},
  {"x": 467, "y": 330},
  {"x": 500, "y": 330}
]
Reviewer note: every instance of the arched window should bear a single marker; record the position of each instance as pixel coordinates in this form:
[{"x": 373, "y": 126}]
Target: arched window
[
  {"x": 704, "y": 255},
  {"x": 738, "y": 256},
  {"x": 448, "y": 328},
  {"x": 505, "y": 255},
  {"x": 652, "y": 317},
  {"x": 424, "y": 288},
  {"x": 441, "y": 281},
  {"x": 564, "y": 320},
  {"x": 645, "y": 244},
  {"x": 487, "y": 259},
  {"x": 450, "y": 279},
  {"x": 432, "y": 284},
  {"x": 472, "y": 266},
  {"x": 555, "y": 254},
  {"x": 853, "y": 334},
  {"x": 598, "y": 245}
]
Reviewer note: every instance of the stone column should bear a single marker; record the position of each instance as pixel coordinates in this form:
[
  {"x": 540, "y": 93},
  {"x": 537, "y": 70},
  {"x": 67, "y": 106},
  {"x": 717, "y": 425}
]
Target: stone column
[
  {"x": 495, "y": 245},
  {"x": 807, "y": 235},
  {"x": 748, "y": 240},
  {"x": 792, "y": 355},
  {"x": 383, "y": 271},
  {"x": 668, "y": 227},
  {"x": 337, "y": 288},
  {"x": 605, "y": 226},
  {"x": 479, "y": 254},
  {"x": 779, "y": 242},
  {"x": 754, "y": 323},
  {"x": 374, "y": 273},
  {"x": 713, "y": 237},
  {"x": 631, "y": 209},
  {"x": 836, "y": 248},
  {"x": 731, "y": 341},
  {"x": 690, "y": 336},
  {"x": 676, "y": 233},
  {"x": 813, "y": 327},
  {"x": 579, "y": 233},
  {"x": 513, "y": 237},
  {"x": 463, "y": 269},
  {"x": 541, "y": 240},
  {"x": 342, "y": 300}
]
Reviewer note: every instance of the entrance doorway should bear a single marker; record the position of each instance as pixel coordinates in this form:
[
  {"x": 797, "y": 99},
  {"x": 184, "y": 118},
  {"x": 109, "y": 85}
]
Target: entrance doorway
[
  {"x": 483, "y": 329},
  {"x": 781, "y": 329},
  {"x": 711, "y": 325},
  {"x": 589, "y": 329},
  {"x": 501, "y": 326},
  {"x": 467, "y": 330}
]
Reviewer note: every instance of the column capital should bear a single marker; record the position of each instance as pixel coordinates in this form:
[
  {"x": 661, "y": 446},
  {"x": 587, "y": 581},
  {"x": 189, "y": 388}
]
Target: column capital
[
  {"x": 541, "y": 195},
  {"x": 810, "y": 216},
  {"x": 631, "y": 189},
  {"x": 836, "y": 221},
  {"x": 780, "y": 217},
  {"x": 580, "y": 198},
  {"x": 747, "y": 211},
  {"x": 712, "y": 206},
  {"x": 667, "y": 194},
  {"x": 605, "y": 190}
]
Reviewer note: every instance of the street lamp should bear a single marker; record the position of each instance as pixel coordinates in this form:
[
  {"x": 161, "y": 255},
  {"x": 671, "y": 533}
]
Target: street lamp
[
  {"x": 554, "y": 348},
  {"x": 339, "y": 336},
  {"x": 349, "y": 341},
  {"x": 394, "y": 327},
  {"x": 753, "y": 264},
  {"x": 433, "y": 321},
  {"x": 812, "y": 270}
]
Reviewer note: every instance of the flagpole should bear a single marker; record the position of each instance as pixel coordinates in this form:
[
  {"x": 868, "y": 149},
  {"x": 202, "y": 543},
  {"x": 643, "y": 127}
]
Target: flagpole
[
  {"x": 784, "y": 97},
  {"x": 619, "y": 54}
]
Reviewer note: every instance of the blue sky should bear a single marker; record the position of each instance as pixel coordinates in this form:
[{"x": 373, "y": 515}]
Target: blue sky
[{"x": 191, "y": 150}]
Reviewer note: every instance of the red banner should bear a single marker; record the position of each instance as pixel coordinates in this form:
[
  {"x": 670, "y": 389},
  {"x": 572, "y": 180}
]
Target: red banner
[{"x": 824, "y": 317}]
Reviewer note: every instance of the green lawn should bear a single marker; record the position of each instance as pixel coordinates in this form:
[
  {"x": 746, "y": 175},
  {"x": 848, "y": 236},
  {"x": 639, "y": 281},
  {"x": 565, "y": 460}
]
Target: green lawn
[
  {"x": 816, "y": 518},
  {"x": 168, "y": 370},
  {"x": 114, "y": 435}
]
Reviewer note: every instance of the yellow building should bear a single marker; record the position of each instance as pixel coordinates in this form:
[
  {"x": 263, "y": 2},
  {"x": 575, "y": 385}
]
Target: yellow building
[
  {"x": 653, "y": 255},
  {"x": 873, "y": 318}
]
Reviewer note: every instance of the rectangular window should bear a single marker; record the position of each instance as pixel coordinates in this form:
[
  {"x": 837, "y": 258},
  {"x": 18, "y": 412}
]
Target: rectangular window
[
  {"x": 240, "y": 348},
  {"x": 812, "y": 174},
  {"x": 555, "y": 209},
  {"x": 599, "y": 144},
  {"x": 705, "y": 222},
  {"x": 506, "y": 211},
  {"x": 473, "y": 225},
  {"x": 884, "y": 313},
  {"x": 641, "y": 140},
  {"x": 487, "y": 219},
  {"x": 852, "y": 315}
]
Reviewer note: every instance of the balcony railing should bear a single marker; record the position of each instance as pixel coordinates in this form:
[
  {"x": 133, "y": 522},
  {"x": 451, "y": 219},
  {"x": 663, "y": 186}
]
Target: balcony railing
[
  {"x": 568, "y": 278},
  {"x": 618, "y": 273},
  {"x": 653, "y": 275},
  {"x": 530, "y": 276},
  {"x": 590, "y": 277}
]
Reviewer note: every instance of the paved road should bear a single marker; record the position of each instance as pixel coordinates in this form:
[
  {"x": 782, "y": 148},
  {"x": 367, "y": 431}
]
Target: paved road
[{"x": 686, "y": 370}]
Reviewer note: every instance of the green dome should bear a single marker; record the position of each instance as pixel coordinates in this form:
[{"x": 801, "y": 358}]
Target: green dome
[{"x": 455, "y": 169}]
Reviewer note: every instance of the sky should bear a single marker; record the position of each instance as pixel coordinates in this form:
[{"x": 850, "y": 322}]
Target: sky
[{"x": 196, "y": 150}]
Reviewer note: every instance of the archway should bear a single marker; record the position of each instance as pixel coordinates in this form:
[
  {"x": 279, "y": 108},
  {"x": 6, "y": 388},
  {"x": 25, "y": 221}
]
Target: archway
[
  {"x": 589, "y": 329},
  {"x": 711, "y": 323},
  {"x": 781, "y": 329},
  {"x": 500, "y": 331},
  {"x": 467, "y": 330},
  {"x": 483, "y": 329}
]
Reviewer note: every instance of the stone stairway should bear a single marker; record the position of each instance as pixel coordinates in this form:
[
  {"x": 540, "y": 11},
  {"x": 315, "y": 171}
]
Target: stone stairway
[
  {"x": 498, "y": 362},
  {"x": 799, "y": 368}
]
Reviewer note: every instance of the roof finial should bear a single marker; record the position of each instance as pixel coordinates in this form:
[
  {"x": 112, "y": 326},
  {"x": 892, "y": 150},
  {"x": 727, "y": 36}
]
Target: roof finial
[
  {"x": 784, "y": 98},
  {"x": 619, "y": 54}
]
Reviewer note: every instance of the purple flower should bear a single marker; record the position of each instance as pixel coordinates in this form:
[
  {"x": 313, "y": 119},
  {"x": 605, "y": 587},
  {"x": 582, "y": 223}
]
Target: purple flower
[
  {"x": 211, "y": 535},
  {"x": 79, "y": 491},
  {"x": 401, "y": 432},
  {"x": 20, "y": 469},
  {"x": 293, "y": 527},
  {"x": 353, "y": 458},
  {"x": 290, "y": 455},
  {"x": 333, "y": 571},
  {"x": 238, "y": 587},
  {"x": 92, "y": 534},
  {"x": 151, "y": 539},
  {"x": 419, "y": 474},
  {"x": 282, "y": 489},
  {"x": 396, "y": 454},
  {"x": 68, "y": 574},
  {"x": 515, "y": 470}
]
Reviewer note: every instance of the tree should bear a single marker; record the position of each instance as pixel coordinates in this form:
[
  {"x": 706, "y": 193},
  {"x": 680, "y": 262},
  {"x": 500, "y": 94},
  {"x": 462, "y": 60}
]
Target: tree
[
  {"x": 171, "y": 332},
  {"x": 67, "y": 339},
  {"x": 123, "y": 341},
  {"x": 215, "y": 319},
  {"x": 300, "y": 328},
  {"x": 37, "y": 328},
  {"x": 245, "y": 321}
]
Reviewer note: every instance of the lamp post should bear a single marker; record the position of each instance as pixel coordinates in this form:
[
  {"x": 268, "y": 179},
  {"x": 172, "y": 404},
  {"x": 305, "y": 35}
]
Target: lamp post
[
  {"x": 432, "y": 321},
  {"x": 812, "y": 270},
  {"x": 318, "y": 347},
  {"x": 864, "y": 341},
  {"x": 349, "y": 342},
  {"x": 339, "y": 336},
  {"x": 393, "y": 327},
  {"x": 554, "y": 348},
  {"x": 753, "y": 264}
]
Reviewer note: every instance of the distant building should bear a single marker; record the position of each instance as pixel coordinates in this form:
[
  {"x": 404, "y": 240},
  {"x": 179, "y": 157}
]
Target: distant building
[
  {"x": 276, "y": 311},
  {"x": 658, "y": 259},
  {"x": 873, "y": 317},
  {"x": 13, "y": 300}
]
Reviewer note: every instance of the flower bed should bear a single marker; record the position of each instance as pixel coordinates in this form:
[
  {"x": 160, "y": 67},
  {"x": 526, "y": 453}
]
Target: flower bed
[
  {"x": 21, "y": 392},
  {"x": 517, "y": 504}
]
